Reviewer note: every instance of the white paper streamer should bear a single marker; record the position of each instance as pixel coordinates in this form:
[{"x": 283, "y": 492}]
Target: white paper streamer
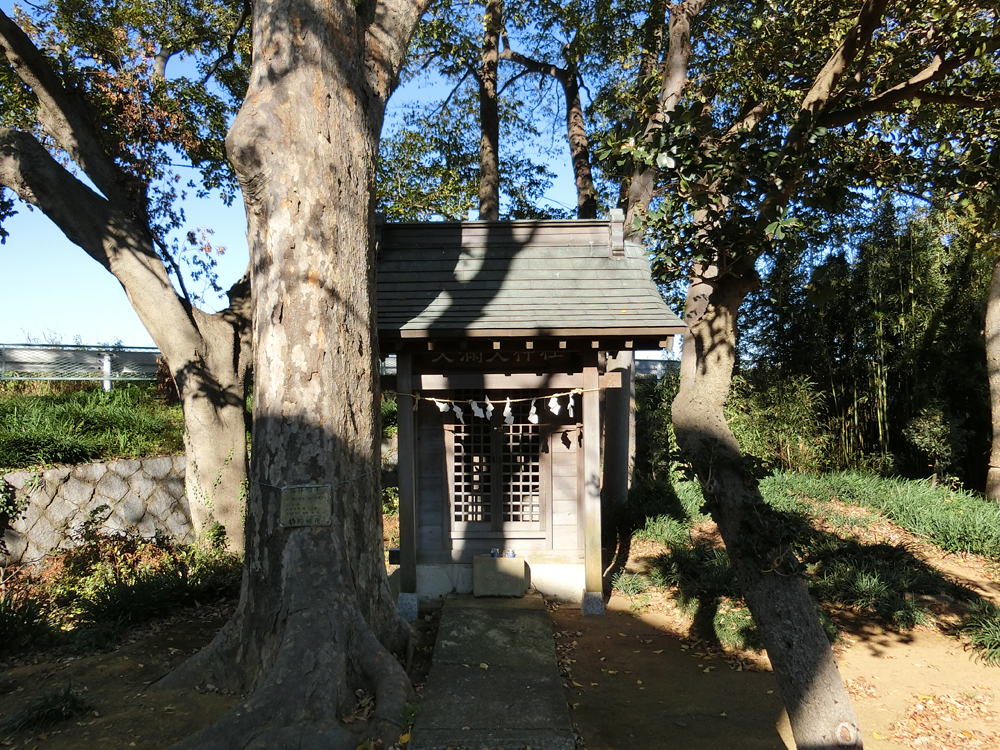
[
  {"x": 441, "y": 405},
  {"x": 508, "y": 415},
  {"x": 489, "y": 408},
  {"x": 533, "y": 415},
  {"x": 554, "y": 406},
  {"x": 569, "y": 406},
  {"x": 458, "y": 413},
  {"x": 475, "y": 409}
]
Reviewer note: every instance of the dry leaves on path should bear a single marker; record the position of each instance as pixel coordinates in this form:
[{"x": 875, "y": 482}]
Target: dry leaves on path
[{"x": 946, "y": 722}]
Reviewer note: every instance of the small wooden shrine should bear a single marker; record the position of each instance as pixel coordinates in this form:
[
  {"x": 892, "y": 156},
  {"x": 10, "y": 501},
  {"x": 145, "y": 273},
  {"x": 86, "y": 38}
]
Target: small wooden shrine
[{"x": 498, "y": 329}]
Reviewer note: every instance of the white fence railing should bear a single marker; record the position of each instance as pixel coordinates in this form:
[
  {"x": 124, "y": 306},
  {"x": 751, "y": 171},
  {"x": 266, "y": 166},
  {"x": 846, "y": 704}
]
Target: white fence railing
[{"x": 42, "y": 362}]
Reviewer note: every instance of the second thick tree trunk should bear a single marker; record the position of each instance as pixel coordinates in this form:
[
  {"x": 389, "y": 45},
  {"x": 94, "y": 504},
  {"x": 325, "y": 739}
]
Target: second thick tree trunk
[
  {"x": 808, "y": 679},
  {"x": 992, "y": 329},
  {"x": 212, "y": 385},
  {"x": 489, "y": 117}
]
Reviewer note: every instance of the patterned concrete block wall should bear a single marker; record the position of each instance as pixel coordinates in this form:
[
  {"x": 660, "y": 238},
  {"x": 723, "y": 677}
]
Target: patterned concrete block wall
[{"x": 143, "y": 496}]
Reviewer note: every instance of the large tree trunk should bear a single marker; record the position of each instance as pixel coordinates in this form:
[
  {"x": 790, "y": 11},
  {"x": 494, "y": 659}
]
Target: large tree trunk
[
  {"x": 579, "y": 145},
  {"x": 489, "y": 116},
  {"x": 993, "y": 367},
  {"x": 316, "y": 620},
  {"x": 808, "y": 680}
]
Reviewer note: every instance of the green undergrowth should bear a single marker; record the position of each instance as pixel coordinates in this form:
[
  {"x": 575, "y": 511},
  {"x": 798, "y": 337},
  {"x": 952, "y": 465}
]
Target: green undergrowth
[
  {"x": 49, "y": 708},
  {"x": 954, "y": 520},
  {"x": 88, "y": 597},
  {"x": 826, "y": 516},
  {"x": 39, "y": 428}
]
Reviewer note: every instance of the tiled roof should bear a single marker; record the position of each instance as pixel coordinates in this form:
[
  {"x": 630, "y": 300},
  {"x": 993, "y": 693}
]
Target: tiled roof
[{"x": 516, "y": 278}]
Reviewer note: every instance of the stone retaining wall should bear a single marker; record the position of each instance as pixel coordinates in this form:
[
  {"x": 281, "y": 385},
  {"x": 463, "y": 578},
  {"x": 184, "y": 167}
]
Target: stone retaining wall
[{"x": 144, "y": 496}]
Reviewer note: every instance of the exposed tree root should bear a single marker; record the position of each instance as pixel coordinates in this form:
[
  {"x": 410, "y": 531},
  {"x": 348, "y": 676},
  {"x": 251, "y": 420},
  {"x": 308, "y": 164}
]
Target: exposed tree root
[{"x": 299, "y": 660}]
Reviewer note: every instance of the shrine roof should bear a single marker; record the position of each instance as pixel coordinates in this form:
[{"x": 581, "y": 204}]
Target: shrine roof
[{"x": 537, "y": 279}]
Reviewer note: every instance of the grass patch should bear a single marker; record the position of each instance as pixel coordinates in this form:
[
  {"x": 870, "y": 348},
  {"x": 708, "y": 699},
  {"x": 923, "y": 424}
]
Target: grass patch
[
  {"x": 50, "y": 708},
  {"x": 955, "y": 520},
  {"x": 707, "y": 588},
  {"x": 982, "y": 626},
  {"x": 86, "y": 425},
  {"x": 664, "y": 511},
  {"x": 734, "y": 627},
  {"x": 629, "y": 584},
  {"x": 881, "y": 582}
]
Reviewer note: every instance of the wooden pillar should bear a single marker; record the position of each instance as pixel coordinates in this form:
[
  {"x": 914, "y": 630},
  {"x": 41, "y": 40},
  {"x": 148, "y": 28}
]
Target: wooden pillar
[
  {"x": 593, "y": 595},
  {"x": 406, "y": 470}
]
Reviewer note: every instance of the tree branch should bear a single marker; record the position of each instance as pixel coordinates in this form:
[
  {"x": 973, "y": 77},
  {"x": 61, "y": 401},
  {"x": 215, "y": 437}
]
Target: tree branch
[
  {"x": 387, "y": 39},
  {"x": 165, "y": 254},
  {"x": 675, "y": 65},
  {"x": 230, "y": 52},
  {"x": 61, "y": 113},
  {"x": 27, "y": 168},
  {"x": 859, "y": 37},
  {"x": 938, "y": 68},
  {"x": 674, "y": 72},
  {"x": 161, "y": 60},
  {"x": 959, "y": 100},
  {"x": 106, "y": 233},
  {"x": 470, "y": 71},
  {"x": 534, "y": 66},
  {"x": 749, "y": 120}
]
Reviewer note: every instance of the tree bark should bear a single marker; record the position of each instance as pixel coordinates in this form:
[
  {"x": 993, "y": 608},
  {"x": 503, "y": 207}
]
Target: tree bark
[
  {"x": 808, "y": 679},
  {"x": 316, "y": 620},
  {"x": 672, "y": 78},
  {"x": 992, "y": 329},
  {"x": 213, "y": 391},
  {"x": 579, "y": 146},
  {"x": 489, "y": 116}
]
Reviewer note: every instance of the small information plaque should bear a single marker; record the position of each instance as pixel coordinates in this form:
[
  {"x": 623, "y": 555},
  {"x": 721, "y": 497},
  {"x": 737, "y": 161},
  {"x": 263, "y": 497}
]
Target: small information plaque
[{"x": 306, "y": 506}]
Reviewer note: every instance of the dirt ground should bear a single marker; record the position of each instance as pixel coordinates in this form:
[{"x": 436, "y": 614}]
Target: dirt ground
[{"x": 635, "y": 679}]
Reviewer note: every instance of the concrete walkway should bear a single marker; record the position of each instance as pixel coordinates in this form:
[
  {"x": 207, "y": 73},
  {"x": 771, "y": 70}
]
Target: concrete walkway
[{"x": 494, "y": 682}]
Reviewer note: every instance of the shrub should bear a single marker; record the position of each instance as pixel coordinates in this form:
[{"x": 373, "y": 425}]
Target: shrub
[
  {"x": 390, "y": 420},
  {"x": 22, "y": 621},
  {"x": 93, "y": 593},
  {"x": 779, "y": 421},
  {"x": 982, "y": 626},
  {"x": 50, "y": 708}
]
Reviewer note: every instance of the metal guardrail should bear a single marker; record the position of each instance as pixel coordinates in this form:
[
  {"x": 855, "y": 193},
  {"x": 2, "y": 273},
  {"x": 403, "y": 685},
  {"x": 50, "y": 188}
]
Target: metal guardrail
[
  {"x": 43, "y": 362},
  {"x": 657, "y": 367}
]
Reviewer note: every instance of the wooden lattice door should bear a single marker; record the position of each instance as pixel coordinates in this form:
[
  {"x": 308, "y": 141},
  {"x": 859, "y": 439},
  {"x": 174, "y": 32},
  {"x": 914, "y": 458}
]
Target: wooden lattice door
[{"x": 497, "y": 480}]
